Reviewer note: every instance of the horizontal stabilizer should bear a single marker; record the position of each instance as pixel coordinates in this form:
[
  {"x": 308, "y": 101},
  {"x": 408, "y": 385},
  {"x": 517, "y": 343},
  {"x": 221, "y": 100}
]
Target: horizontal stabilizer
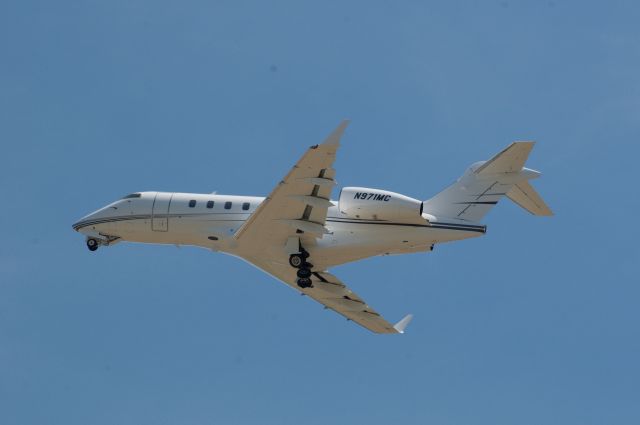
[{"x": 526, "y": 196}]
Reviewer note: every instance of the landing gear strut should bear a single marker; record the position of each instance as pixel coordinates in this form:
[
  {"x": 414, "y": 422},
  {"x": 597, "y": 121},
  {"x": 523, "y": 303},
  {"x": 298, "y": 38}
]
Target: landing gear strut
[
  {"x": 299, "y": 261},
  {"x": 92, "y": 244}
]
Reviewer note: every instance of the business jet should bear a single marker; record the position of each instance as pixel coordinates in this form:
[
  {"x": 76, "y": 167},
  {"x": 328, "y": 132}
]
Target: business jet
[{"x": 297, "y": 233}]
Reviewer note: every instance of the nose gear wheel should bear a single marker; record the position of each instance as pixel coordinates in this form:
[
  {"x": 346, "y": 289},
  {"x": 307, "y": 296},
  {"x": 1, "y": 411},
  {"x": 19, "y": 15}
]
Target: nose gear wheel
[{"x": 92, "y": 244}]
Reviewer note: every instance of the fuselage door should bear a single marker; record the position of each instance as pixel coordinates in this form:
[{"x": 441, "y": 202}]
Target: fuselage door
[{"x": 160, "y": 213}]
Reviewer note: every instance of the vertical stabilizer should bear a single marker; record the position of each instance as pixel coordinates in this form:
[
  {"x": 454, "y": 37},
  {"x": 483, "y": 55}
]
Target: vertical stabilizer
[{"x": 482, "y": 186}]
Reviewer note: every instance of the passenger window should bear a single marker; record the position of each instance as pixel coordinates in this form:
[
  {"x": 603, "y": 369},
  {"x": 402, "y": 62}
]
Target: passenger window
[
  {"x": 209, "y": 204},
  {"x": 245, "y": 206},
  {"x": 192, "y": 203},
  {"x": 227, "y": 205}
]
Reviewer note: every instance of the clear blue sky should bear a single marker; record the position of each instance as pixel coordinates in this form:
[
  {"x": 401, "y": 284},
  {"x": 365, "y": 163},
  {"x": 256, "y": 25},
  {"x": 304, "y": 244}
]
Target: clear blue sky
[{"x": 535, "y": 323}]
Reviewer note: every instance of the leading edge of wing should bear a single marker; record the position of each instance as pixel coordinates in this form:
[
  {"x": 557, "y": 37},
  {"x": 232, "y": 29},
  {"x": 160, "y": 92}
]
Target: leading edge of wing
[
  {"x": 321, "y": 155},
  {"x": 336, "y": 135}
]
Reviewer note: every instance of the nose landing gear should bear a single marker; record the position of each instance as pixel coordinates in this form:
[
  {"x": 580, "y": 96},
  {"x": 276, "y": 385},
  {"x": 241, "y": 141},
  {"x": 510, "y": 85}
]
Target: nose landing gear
[
  {"x": 299, "y": 261},
  {"x": 92, "y": 244}
]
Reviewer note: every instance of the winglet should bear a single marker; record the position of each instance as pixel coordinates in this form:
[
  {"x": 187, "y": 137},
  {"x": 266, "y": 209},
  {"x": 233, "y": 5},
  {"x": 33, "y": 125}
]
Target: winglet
[
  {"x": 334, "y": 137},
  {"x": 402, "y": 324}
]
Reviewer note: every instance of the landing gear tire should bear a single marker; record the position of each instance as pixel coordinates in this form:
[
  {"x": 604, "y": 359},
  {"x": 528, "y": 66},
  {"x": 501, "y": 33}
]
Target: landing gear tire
[
  {"x": 305, "y": 282},
  {"x": 299, "y": 261},
  {"x": 296, "y": 260},
  {"x": 92, "y": 244},
  {"x": 304, "y": 273}
]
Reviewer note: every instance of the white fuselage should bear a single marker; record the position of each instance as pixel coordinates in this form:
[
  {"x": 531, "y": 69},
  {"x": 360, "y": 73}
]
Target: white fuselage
[
  {"x": 296, "y": 233},
  {"x": 210, "y": 221}
]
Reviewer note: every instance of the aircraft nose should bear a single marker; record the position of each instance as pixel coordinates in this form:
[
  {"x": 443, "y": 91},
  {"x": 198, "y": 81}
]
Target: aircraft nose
[
  {"x": 94, "y": 218},
  {"x": 83, "y": 222}
]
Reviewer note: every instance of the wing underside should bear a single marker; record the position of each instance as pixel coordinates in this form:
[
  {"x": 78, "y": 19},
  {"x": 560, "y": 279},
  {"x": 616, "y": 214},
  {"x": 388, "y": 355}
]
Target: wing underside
[
  {"x": 299, "y": 203},
  {"x": 331, "y": 292},
  {"x": 296, "y": 211}
]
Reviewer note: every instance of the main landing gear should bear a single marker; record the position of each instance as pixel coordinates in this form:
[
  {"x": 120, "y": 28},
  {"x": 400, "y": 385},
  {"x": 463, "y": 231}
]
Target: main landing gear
[
  {"x": 92, "y": 244},
  {"x": 299, "y": 261}
]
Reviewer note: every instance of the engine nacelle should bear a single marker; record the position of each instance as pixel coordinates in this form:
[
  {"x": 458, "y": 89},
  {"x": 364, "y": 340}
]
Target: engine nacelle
[{"x": 376, "y": 204}]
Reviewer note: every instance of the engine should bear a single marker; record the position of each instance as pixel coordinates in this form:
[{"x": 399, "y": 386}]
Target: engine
[{"x": 376, "y": 204}]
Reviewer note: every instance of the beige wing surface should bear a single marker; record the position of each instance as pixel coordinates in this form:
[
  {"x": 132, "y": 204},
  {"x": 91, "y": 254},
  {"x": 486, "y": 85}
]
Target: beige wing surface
[
  {"x": 330, "y": 291},
  {"x": 298, "y": 205},
  {"x": 297, "y": 210}
]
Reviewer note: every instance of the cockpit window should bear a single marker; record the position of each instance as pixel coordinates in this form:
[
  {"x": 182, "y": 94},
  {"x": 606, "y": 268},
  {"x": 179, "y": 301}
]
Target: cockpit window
[{"x": 133, "y": 195}]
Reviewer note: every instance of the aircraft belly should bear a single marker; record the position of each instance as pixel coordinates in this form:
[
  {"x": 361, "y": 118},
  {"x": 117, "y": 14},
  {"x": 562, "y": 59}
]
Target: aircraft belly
[{"x": 349, "y": 242}]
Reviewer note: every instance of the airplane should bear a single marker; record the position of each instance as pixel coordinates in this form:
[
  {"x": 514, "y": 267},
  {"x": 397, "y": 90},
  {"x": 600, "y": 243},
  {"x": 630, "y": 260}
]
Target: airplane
[{"x": 297, "y": 232}]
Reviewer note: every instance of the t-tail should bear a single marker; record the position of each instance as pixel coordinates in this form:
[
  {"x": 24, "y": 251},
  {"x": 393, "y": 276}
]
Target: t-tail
[{"x": 485, "y": 183}]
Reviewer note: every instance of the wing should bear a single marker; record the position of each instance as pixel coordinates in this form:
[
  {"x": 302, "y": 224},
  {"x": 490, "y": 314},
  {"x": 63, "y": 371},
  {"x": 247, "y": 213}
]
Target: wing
[
  {"x": 297, "y": 209},
  {"x": 328, "y": 290},
  {"x": 299, "y": 203}
]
